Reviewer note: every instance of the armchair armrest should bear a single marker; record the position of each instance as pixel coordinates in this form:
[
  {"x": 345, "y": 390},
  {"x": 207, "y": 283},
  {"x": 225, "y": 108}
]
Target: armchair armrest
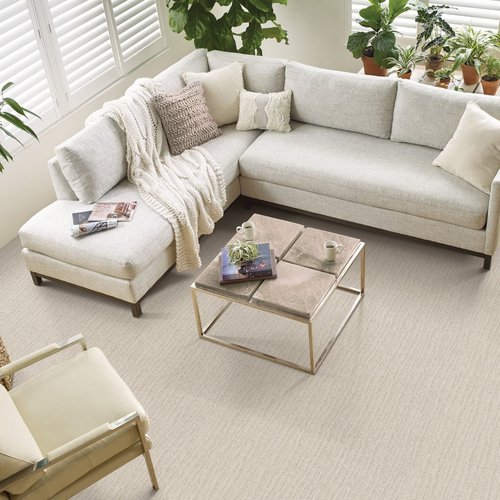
[
  {"x": 42, "y": 353},
  {"x": 493, "y": 223}
]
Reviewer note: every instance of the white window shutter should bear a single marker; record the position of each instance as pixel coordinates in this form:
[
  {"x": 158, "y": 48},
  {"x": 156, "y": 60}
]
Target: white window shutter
[
  {"x": 480, "y": 14},
  {"x": 83, "y": 47},
  {"x": 138, "y": 30},
  {"x": 21, "y": 63}
]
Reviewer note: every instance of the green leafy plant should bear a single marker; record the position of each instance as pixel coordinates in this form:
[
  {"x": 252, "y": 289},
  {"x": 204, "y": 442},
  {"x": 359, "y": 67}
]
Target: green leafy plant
[
  {"x": 15, "y": 114},
  {"x": 435, "y": 30},
  {"x": 471, "y": 45},
  {"x": 242, "y": 251},
  {"x": 199, "y": 24},
  {"x": 406, "y": 60},
  {"x": 446, "y": 74},
  {"x": 490, "y": 68},
  {"x": 380, "y": 40}
]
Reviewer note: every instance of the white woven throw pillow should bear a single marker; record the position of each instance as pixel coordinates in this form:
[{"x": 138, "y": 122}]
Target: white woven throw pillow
[
  {"x": 265, "y": 111},
  {"x": 473, "y": 153},
  {"x": 222, "y": 91}
]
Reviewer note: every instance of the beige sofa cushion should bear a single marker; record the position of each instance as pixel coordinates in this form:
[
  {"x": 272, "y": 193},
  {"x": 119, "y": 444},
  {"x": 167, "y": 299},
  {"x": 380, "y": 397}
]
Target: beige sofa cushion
[
  {"x": 367, "y": 170},
  {"x": 344, "y": 101},
  {"x": 18, "y": 448},
  {"x": 260, "y": 74},
  {"x": 429, "y": 116}
]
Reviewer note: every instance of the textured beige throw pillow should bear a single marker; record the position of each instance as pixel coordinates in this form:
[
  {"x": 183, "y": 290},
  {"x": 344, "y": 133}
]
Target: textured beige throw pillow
[
  {"x": 473, "y": 153},
  {"x": 222, "y": 91},
  {"x": 185, "y": 118},
  {"x": 265, "y": 111}
]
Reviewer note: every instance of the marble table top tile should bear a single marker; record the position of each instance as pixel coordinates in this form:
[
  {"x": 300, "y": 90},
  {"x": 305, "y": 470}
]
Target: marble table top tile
[
  {"x": 297, "y": 290},
  {"x": 209, "y": 280},
  {"x": 308, "y": 251},
  {"x": 281, "y": 234}
]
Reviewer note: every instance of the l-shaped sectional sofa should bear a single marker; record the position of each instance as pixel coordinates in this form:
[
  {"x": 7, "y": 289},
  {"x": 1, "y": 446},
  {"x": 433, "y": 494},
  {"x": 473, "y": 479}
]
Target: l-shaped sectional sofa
[{"x": 360, "y": 150}]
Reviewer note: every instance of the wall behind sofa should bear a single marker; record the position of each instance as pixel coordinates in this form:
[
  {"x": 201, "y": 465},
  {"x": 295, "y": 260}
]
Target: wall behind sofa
[{"x": 317, "y": 31}]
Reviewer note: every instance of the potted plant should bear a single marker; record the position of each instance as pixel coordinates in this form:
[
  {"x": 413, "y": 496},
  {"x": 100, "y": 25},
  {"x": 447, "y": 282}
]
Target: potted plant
[
  {"x": 378, "y": 44},
  {"x": 444, "y": 76},
  {"x": 432, "y": 39},
  {"x": 490, "y": 75},
  {"x": 471, "y": 45},
  {"x": 197, "y": 21},
  {"x": 406, "y": 61},
  {"x": 13, "y": 113}
]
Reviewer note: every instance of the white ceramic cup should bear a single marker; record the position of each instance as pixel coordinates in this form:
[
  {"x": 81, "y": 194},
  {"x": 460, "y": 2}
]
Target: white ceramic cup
[
  {"x": 332, "y": 248},
  {"x": 247, "y": 230}
]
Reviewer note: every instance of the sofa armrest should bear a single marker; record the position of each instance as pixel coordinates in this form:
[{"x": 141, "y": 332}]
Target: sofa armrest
[
  {"x": 42, "y": 353},
  {"x": 493, "y": 223}
]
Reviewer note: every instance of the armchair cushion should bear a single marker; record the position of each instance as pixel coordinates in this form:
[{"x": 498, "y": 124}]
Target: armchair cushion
[
  {"x": 73, "y": 398},
  {"x": 18, "y": 448}
]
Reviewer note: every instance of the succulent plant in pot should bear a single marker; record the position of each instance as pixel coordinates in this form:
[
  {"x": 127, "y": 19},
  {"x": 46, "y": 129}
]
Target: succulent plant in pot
[
  {"x": 406, "y": 60},
  {"x": 433, "y": 36},
  {"x": 490, "y": 75},
  {"x": 471, "y": 45},
  {"x": 378, "y": 44},
  {"x": 242, "y": 251},
  {"x": 444, "y": 76}
]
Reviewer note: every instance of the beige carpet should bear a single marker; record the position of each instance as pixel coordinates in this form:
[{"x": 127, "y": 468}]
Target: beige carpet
[{"x": 406, "y": 405}]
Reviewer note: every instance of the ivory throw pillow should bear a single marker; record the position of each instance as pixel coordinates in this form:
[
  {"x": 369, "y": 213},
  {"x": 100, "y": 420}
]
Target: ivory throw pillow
[
  {"x": 473, "y": 153},
  {"x": 185, "y": 118},
  {"x": 222, "y": 91},
  {"x": 265, "y": 111}
]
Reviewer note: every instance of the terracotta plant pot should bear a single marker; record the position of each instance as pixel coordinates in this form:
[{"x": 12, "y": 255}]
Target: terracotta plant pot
[
  {"x": 406, "y": 76},
  {"x": 490, "y": 87},
  {"x": 443, "y": 84},
  {"x": 432, "y": 64},
  {"x": 470, "y": 74},
  {"x": 372, "y": 68}
]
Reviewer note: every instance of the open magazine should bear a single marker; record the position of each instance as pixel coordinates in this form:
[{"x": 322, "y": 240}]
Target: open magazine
[{"x": 121, "y": 211}]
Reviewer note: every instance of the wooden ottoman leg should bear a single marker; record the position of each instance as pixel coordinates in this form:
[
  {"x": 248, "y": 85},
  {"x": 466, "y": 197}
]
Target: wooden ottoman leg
[
  {"x": 487, "y": 262},
  {"x": 37, "y": 280}
]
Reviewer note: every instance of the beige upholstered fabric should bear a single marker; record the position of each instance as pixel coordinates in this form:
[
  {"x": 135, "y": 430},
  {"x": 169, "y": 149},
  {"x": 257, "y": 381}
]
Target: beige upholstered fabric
[
  {"x": 185, "y": 118},
  {"x": 265, "y": 111},
  {"x": 440, "y": 113},
  {"x": 493, "y": 228},
  {"x": 366, "y": 170},
  {"x": 222, "y": 91},
  {"x": 93, "y": 160},
  {"x": 344, "y": 101},
  {"x": 260, "y": 74},
  {"x": 18, "y": 448},
  {"x": 473, "y": 153},
  {"x": 72, "y": 398}
]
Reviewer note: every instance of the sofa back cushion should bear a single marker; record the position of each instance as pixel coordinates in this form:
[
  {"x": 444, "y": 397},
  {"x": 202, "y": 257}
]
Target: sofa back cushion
[
  {"x": 171, "y": 78},
  {"x": 93, "y": 160},
  {"x": 428, "y": 116},
  {"x": 344, "y": 101},
  {"x": 260, "y": 74},
  {"x": 18, "y": 448}
]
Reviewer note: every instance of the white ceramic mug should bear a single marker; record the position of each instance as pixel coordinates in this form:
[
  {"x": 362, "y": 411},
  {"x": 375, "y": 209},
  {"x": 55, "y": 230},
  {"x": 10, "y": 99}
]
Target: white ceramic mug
[
  {"x": 332, "y": 248},
  {"x": 247, "y": 230}
]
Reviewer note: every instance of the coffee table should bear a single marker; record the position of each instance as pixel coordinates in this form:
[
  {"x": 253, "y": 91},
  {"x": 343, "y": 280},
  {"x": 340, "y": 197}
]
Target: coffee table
[{"x": 304, "y": 284}]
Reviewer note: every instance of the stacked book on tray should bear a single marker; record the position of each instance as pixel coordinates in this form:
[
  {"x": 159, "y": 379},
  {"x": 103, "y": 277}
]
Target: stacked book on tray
[{"x": 261, "y": 268}]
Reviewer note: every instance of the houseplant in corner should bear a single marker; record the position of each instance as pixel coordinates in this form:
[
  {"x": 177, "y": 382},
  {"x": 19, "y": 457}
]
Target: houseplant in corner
[
  {"x": 11, "y": 112},
  {"x": 433, "y": 36},
  {"x": 196, "y": 19},
  {"x": 472, "y": 46},
  {"x": 406, "y": 60},
  {"x": 378, "y": 44},
  {"x": 490, "y": 75}
]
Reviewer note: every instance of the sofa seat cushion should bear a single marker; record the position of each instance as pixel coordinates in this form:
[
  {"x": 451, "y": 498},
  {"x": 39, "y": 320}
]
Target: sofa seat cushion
[
  {"x": 366, "y": 170},
  {"x": 122, "y": 252},
  {"x": 92, "y": 392}
]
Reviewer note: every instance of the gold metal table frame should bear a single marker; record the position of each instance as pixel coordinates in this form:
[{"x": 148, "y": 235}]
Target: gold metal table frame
[{"x": 313, "y": 365}]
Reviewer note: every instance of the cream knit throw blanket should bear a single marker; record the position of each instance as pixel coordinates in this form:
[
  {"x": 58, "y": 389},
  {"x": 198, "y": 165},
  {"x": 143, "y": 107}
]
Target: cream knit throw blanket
[{"x": 188, "y": 189}]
